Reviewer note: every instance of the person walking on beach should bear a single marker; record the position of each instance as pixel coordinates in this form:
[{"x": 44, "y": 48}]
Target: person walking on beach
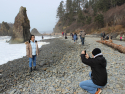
[
  {"x": 32, "y": 52},
  {"x": 83, "y": 36},
  {"x": 99, "y": 73},
  {"x": 75, "y": 38}
]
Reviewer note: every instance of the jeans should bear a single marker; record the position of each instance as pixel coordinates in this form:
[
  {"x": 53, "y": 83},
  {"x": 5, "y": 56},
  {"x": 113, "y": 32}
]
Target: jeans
[
  {"x": 82, "y": 39},
  {"x": 89, "y": 86},
  {"x": 34, "y": 61}
]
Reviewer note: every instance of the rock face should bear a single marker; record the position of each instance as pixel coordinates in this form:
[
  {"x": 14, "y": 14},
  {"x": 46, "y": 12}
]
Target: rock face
[
  {"x": 35, "y": 32},
  {"x": 5, "y": 29},
  {"x": 21, "y": 28}
]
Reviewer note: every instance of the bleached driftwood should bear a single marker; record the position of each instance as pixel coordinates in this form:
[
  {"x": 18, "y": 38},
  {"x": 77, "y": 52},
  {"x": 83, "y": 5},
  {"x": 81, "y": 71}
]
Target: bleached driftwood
[{"x": 113, "y": 45}]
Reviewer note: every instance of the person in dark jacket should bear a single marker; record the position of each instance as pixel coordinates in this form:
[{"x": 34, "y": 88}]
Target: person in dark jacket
[
  {"x": 65, "y": 35},
  {"x": 98, "y": 75},
  {"x": 103, "y": 35},
  {"x": 72, "y": 36}
]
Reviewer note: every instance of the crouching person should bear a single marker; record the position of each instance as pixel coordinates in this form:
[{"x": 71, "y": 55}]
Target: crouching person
[
  {"x": 32, "y": 52},
  {"x": 98, "y": 74}
]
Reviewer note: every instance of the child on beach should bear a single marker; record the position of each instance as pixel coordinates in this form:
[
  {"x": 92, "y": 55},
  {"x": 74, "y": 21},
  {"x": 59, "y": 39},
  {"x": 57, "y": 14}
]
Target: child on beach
[
  {"x": 98, "y": 74},
  {"x": 32, "y": 51}
]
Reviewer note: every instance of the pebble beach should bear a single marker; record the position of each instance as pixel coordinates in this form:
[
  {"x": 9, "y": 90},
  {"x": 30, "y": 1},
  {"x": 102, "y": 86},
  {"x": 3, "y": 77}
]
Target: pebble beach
[{"x": 60, "y": 70}]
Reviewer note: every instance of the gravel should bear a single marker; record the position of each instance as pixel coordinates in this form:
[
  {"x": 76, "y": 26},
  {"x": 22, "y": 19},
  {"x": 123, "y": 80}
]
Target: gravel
[{"x": 60, "y": 69}]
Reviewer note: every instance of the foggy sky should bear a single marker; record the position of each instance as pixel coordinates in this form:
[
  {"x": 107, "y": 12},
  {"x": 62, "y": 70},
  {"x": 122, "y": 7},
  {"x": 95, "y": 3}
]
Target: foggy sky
[{"x": 41, "y": 13}]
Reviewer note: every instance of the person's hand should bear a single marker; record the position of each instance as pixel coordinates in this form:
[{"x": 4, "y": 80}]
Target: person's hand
[
  {"x": 83, "y": 52},
  {"x": 87, "y": 56}
]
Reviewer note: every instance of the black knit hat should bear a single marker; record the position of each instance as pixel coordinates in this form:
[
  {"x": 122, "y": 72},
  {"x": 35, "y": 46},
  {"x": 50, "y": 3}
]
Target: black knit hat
[{"x": 96, "y": 51}]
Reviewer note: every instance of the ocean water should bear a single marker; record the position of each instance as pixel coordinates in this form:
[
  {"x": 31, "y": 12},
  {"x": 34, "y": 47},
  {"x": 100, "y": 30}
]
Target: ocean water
[{"x": 9, "y": 52}]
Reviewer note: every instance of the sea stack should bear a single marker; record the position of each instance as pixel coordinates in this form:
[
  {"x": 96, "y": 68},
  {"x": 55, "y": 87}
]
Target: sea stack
[
  {"x": 21, "y": 27},
  {"x": 35, "y": 32},
  {"x": 5, "y": 29}
]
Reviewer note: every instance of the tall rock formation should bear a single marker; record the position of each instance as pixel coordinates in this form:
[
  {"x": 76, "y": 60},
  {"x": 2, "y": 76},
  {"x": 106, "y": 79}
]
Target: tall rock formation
[
  {"x": 35, "y": 32},
  {"x": 21, "y": 28},
  {"x": 5, "y": 29}
]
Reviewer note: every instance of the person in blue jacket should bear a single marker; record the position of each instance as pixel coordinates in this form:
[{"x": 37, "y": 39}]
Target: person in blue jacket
[{"x": 75, "y": 37}]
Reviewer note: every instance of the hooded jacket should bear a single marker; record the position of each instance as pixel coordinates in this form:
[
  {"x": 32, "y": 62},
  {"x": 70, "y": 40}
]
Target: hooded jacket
[
  {"x": 29, "y": 49},
  {"x": 98, "y": 67}
]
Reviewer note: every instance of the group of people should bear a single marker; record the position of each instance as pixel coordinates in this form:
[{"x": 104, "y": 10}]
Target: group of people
[
  {"x": 81, "y": 34},
  {"x": 64, "y": 34},
  {"x": 105, "y": 37},
  {"x": 98, "y": 74}
]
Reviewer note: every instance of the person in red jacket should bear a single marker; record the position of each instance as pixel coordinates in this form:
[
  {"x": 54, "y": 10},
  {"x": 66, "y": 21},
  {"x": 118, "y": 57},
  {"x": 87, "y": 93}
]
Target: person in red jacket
[
  {"x": 62, "y": 33},
  {"x": 98, "y": 72}
]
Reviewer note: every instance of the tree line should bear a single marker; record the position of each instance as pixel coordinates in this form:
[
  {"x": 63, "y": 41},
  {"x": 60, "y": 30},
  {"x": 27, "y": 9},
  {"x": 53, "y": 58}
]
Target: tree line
[{"x": 70, "y": 9}]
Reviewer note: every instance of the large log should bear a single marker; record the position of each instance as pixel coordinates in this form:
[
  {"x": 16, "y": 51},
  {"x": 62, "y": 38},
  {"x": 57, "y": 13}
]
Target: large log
[{"x": 120, "y": 48}]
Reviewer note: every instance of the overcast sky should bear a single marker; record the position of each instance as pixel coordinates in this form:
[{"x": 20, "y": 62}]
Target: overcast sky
[{"x": 41, "y": 13}]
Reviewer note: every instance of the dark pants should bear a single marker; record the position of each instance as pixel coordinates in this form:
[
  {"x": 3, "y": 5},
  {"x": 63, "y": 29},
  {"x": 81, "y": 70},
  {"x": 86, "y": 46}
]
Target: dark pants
[{"x": 82, "y": 39}]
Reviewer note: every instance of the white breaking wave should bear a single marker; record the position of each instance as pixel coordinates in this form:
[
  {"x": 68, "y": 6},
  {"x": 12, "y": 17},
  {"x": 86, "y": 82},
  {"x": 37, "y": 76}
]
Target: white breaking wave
[{"x": 9, "y": 52}]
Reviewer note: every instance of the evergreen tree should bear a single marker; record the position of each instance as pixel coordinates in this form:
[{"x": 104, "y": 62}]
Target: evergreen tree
[
  {"x": 87, "y": 5},
  {"x": 88, "y": 19},
  {"x": 99, "y": 19},
  {"x": 81, "y": 18},
  {"x": 60, "y": 10},
  {"x": 68, "y": 5}
]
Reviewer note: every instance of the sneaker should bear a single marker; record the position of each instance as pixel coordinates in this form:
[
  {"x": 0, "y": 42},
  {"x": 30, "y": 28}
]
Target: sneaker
[{"x": 98, "y": 91}]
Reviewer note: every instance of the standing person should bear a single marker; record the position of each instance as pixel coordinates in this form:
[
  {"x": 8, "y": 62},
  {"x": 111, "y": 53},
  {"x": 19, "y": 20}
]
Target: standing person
[
  {"x": 121, "y": 38},
  {"x": 83, "y": 37},
  {"x": 99, "y": 73},
  {"x": 65, "y": 35},
  {"x": 72, "y": 36},
  {"x": 103, "y": 35},
  {"x": 80, "y": 34},
  {"x": 42, "y": 37},
  {"x": 75, "y": 38},
  {"x": 32, "y": 52},
  {"x": 62, "y": 33}
]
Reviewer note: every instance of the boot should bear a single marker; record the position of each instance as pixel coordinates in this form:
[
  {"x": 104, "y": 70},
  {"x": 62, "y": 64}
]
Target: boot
[
  {"x": 30, "y": 70},
  {"x": 34, "y": 68}
]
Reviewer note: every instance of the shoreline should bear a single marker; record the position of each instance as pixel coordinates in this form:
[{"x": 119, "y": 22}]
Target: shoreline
[
  {"x": 17, "y": 70},
  {"x": 63, "y": 69},
  {"x": 15, "y": 51}
]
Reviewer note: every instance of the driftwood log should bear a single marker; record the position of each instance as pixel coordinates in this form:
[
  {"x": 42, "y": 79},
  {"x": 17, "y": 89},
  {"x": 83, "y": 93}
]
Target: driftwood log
[{"x": 120, "y": 48}]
